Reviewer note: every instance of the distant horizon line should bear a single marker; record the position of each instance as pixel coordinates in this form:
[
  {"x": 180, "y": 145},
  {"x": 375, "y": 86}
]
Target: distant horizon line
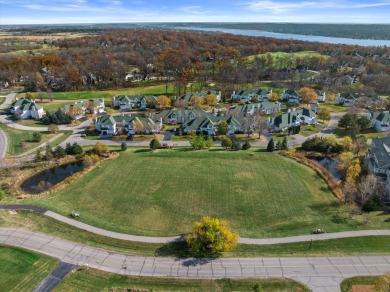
[{"x": 193, "y": 22}]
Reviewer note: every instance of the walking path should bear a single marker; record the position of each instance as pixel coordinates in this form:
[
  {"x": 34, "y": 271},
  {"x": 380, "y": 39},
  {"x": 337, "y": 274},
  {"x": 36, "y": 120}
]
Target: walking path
[
  {"x": 149, "y": 239},
  {"x": 3, "y": 144},
  {"x": 318, "y": 273}
]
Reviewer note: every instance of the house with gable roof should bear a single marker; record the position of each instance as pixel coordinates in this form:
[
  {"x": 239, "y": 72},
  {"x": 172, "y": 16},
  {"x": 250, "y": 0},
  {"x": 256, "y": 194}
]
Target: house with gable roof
[
  {"x": 377, "y": 160},
  {"x": 209, "y": 125},
  {"x": 170, "y": 116},
  {"x": 26, "y": 109},
  {"x": 265, "y": 107},
  {"x": 380, "y": 120},
  {"x": 348, "y": 98},
  {"x": 112, "y": 125},
  {"x": 248, "y": 95},
  {"x": 128, "y": 102},
  {"x": 293, "y": 117},
  {"x": 321, "y": 96},
  {"x": 91, "y": 106},
  {"x": 189, "y": 96},
  {"x": 290, "y": 95}
]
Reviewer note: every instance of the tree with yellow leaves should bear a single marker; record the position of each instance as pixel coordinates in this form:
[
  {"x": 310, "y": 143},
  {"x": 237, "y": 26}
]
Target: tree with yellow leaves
[
  {"x": 347, "y": 143},
  {"x": 383, "y": 283},
  {"x": 210, "y": 100},
  {"x": 210, "y": 236},
  {"x": 307, "y": 94},
  {"x": 163, "y": 101},
  {"x": 274, "y": 97},
  {"x": 196, "y": 101}
]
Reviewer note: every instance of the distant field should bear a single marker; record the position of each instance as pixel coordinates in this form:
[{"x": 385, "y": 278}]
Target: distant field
[
  {"x": 162, "y": 193},
  {"x": 95, "y": 280},
  {"x": 278, "y": 57},
  {"x": 23, "y": 270},
  {"x": 78, "y": 95}
]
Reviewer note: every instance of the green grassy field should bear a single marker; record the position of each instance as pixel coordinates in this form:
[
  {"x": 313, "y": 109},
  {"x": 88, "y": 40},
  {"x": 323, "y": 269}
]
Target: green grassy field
[
  {"x": 78, "y": 95},
  {"x": 95, "y": 280},
  {"x": 15, "y": 137},
  {"x": 164, "y": 192},
  {"x": 279, "y": 57},
  {"x": 22, "y": 270}
]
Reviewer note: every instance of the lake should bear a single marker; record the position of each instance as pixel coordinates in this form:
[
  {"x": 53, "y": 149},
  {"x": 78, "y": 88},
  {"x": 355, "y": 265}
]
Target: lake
[
  {"x": 309, "y": 38},
  {"x": 44, "y": 180}
]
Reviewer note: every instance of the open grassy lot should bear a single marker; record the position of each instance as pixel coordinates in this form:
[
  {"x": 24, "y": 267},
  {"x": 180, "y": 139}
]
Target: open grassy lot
[
  {"x": 95, "y": 280},
  {"x": 164, "y": 192},
  {"x": 369, "y": 245},
  {"x": 22, "y": 270},
  {"x": 347, "y": 284},
  {"x": 77, "y": 95},
  {"x": 15, "y": 137}
]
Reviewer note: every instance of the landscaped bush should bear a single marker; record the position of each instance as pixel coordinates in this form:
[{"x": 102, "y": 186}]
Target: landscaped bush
[
  {"x": 246, "y": 145},
  {"x": 324, "y": 145},
  {"x": 371, "y": 204},
  {"x": 37, "y": 137}
]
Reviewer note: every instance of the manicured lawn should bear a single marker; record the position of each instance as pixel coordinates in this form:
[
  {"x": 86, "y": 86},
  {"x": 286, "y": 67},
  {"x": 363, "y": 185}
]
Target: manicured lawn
[
  {"x": 15, "y": 137},
  {"x": 31, "y": 123},
  {"x": 23, "y": 270},
  {"x": 347, "y": 284},
  {"x": 78, "y": 95},
  {"x": 369, "y": 245},
  {"x": 95, "y": 280},
  {"x": 164, "y": 192},
  {"x": 181, "y": 138},
  {"x": 334, "y": 108}
]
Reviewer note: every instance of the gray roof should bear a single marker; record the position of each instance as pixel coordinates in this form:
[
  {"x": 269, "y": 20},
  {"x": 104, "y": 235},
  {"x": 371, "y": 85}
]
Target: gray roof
[
  {"x": 198, "y": 123},
  {"x": 188, "y": 96},
  {"x": 248, "y": 92},
  {"x": 383, "y": 117},
  {"x": 26, "y": 104},
  {"x": 284, "y": 120},
  {"x": 380, "y": 147},
  {"x": 128, "y": 119},
  {"x": 169, "y": 113}
]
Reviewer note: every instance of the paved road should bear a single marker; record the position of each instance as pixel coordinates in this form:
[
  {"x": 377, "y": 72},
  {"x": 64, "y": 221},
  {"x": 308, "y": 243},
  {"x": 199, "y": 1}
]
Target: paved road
[
  {"x": 319, "y": 273},
  {"x": 149, "y": 239},
  {"x": 54, "y": 277}
]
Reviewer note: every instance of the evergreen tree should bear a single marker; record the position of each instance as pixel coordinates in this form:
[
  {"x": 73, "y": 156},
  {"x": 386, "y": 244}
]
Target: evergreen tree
[
  {"x": 246, "y": 145},
  {"x": 271, "y": 145},
  {"x": 124, "y": 146},
  {"x": 154, "y": 144},
  {"x": 69, "y": 149},
  {"x": 278, "y": 145},
  {"x": 77, "y": 149},
  {"x": 60, "y": 152},
  {"x": 48, "y": 152},
  {"x": 284, "y": 144}
]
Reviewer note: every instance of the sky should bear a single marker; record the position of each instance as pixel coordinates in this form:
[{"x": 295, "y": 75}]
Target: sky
[{"x": 110, "y": 11}]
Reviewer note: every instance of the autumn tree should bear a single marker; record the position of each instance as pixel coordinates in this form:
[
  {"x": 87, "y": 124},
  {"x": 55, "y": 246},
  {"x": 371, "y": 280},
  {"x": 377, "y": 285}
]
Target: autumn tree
[
  {"x": 181, "y": 103},
  {"x": 274, "y": 97},
  {"x": 307, "y": 95},
  {"x": 210, "y": 100},
  {"x": 196, "y": 101},
  {"x": 100, "y": 149},
  {"x": 382, "y": 284},
  {"x": 324, "y": 114},
  {"x": 163, "y": 101},
  {"x": 210, "y": 236},
  {"x": 29, "y": 95},
  {"x": 347, "y": 143}
]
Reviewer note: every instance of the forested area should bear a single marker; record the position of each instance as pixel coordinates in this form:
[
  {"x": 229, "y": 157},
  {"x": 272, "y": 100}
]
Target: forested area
[{"x": 231, "y": 61}]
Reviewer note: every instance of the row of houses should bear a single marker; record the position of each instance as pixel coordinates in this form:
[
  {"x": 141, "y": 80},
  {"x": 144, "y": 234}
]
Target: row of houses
[
  {"x": 348, "y": 98},
  {"x": 292, "y": 96},
  {"x": 28, "y": 109}
]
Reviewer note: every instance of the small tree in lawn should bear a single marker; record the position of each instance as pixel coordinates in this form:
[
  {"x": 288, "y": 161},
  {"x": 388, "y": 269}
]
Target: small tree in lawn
[
  {"x": 210, "y": 236},
  {"x": 324, "y": 114},
  {"x": 154, "y": 144},
  {"x": 208, "y": 142},
  {"x": 52, "y": 128},
  {"x": 222, "y": 128},
  {"x": 271, "y": 145},
  {"x": 198, "y": 142},
  {"x": 278, "y": 145},
  {"x": 123, "y": 146},
  {"x": 226, "y": 143},
  {"x": 37, "y": 136},
  {"x": 307, "y": 94}
]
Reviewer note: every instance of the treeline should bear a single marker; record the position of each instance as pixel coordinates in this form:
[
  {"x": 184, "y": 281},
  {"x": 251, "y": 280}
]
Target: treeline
[{"x": 178, "y": 57}]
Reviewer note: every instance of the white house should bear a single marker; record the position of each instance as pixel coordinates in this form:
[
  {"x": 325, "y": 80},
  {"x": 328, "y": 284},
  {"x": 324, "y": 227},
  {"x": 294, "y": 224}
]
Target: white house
[
  {"x": 321, "y": 96},
  {"x": 188, "y": 96},
  {"x": 291, "y": 96},
  {"x": 26, "y": 109},
  {"x": 265, "y": 107},
  {"x": 295, "y": 117},
  {"x": 170, "y": 116},
  {"x": 209, "y": 125},
  {"x": 248, "y": 95},
  {"x": 128, "y": 102},
  {"x": 380, "y": 120},
  {"x": 126, "y": 124}
]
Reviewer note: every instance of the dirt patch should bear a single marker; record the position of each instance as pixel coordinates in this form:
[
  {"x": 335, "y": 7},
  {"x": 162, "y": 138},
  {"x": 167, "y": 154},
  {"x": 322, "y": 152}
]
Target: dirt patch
[
  {"x": 243, "y": 175},
  {"x": 362, "y": 288}
]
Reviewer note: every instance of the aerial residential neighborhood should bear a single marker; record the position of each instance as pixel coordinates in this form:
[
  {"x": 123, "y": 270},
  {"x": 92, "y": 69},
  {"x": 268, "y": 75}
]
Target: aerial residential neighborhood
[{"x": 194, "y": 146}]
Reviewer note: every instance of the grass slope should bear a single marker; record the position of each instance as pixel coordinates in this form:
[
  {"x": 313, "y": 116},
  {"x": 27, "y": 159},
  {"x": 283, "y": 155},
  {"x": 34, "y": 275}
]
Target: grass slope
[
  {"x": 22, "y": 270},
  {"x": 94, "y": 280},
  {"x": 164, "y": 192}
]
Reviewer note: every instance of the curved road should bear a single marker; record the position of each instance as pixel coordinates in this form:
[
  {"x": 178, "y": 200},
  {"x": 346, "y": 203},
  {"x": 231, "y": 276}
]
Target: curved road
[{"x": 318, "y": 273}]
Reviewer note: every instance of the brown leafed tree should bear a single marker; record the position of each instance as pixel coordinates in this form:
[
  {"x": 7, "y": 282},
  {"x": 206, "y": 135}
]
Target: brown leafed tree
[{"x": 307, "y": 94}]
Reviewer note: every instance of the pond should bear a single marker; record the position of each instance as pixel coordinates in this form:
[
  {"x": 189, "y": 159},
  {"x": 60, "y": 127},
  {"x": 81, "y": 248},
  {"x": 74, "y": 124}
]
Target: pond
[
  {"x": 329, "y": 164},
  {"x": 44, "y": 180}
]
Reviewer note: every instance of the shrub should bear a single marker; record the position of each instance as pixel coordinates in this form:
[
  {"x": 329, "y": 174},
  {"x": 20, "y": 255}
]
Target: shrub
[
  {"x": 52, "y": 128},
  {"x": 371, "y": 204},
  {"x": 37, "y": 136},
  {"x": 236, "y": 146},
  {"x": 60, "y": 152},
  {"x": 246, "y": 145},
  {"x": 123, "y": 146},
  {"x": 271, "y": 145},
  {"x": 226, "y": 143},
  {"x": 154, "y": 144}
]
